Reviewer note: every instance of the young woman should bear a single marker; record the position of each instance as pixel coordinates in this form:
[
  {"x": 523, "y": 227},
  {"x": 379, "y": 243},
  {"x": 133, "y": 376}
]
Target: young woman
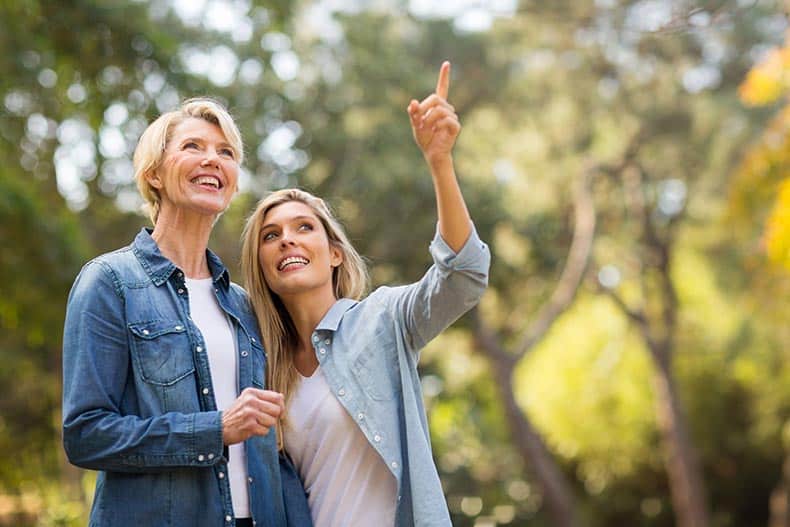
[
  {"x": 355, "y": 424},
  {"x": 163, "y": 367}
]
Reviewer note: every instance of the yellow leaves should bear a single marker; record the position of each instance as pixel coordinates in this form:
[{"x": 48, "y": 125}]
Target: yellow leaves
[
  {"x": 777, "y": 233},
  {"x": 769, "y": 80},
  {"x": 766, "y": 83}
]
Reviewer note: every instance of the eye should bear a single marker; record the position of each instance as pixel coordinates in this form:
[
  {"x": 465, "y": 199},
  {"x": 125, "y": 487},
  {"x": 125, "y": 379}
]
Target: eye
[
  {"x": 227, "y": 152},
  {"x": 306, "y": 227},
  {"x": 190, "y": 145},
  {"x": 268, "y": 236}
]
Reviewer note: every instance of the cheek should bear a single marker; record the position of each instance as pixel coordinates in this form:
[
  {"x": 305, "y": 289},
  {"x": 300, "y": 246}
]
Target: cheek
[
  {"x": 231, "y": 170},
  {"x": 262, "y": 263}
]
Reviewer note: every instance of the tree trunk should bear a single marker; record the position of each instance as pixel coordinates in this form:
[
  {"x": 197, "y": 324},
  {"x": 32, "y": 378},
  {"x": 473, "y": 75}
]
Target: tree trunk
[
  {"x": 683, "y": 469},
  {"x": 557, "y": 494},
  {"x": 780, "y": 499}
]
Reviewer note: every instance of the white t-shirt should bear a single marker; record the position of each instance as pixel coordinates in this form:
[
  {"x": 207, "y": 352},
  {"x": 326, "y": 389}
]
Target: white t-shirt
[
  {"x": 221, "y": 350},
  {"x": 347, "y": 482}
]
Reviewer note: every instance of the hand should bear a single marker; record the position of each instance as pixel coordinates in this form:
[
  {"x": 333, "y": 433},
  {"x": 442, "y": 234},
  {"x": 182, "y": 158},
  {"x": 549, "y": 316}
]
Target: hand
[
  {"x": 252, "y": 414},
  {"x": 433, "y": 121}
]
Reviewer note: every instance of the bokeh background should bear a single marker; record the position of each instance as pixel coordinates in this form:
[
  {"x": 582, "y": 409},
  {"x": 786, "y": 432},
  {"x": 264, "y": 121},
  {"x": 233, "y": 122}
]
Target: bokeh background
[{"x": 627, "y": 161}]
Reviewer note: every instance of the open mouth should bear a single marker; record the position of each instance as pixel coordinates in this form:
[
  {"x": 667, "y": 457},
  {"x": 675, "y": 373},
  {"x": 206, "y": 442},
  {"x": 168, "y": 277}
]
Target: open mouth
[
  {"x": 208, "y": 181},
  {"x": 292, "y": 261}
]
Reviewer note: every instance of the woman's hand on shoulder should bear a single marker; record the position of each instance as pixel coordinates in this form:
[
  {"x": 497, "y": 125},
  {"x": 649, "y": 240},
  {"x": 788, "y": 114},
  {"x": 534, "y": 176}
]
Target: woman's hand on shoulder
[{"x": 434, "y": 122}]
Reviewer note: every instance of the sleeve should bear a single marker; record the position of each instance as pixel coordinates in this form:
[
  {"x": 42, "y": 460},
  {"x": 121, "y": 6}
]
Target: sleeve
[
  {"x": 451, "y": 287},
  {"x": 96, "y": 363},
  {"x": 297, "y": 511}
]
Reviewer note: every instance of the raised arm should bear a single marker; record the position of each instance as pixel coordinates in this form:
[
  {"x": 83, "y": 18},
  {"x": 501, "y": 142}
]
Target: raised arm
[{"x": 435, "y": 127}]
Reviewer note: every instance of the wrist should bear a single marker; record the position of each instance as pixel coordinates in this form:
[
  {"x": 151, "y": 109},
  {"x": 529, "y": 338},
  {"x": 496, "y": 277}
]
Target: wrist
[{"x": 439, "y": 162}]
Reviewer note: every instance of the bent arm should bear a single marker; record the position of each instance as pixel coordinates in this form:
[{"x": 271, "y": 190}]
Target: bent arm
[
  {"x": 452, "y": 286},
  {"x": 101, "y": 430}
]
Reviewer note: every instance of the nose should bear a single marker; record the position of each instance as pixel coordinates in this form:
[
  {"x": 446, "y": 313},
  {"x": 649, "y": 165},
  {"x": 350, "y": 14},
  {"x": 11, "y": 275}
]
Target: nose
[
  {"x": 286, "y": 240},
  {"x": 210, "y": 159}
]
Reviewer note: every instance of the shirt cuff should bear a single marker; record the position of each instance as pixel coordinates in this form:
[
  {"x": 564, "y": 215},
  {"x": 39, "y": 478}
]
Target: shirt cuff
[
  {"x": 474, "y": 255},
  {"x": 208, "y": 437}
]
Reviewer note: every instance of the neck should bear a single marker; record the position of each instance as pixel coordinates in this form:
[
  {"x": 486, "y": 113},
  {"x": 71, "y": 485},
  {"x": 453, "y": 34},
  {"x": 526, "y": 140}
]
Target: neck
[
  {"x": 183, "y": 239},
  {"x": 306, "y": 311}
]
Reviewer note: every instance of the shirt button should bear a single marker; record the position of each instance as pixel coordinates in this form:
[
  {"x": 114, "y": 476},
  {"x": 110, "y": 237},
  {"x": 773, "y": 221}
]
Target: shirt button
[
  {"x": 211, "y": 456},
  {"x": 180, "y": 291},
  {"x": 201, "y": 457},
  {"x": 205, "y": 391},
  {"x": 221, "y": 475},
  {"x": 341, "y": 392},
  {"x": 253, "y": 340},
  {"x": 316, "y": 338},
  {"x": 199, "y": 349},
  {"x": 244, "y": 353},
  {"x": 228, "y": 518},
  {"x": 249, "y": 479},
  {"x": 327, "y": 341},
  {"x": 145, "y": 332},
  {"x": 377, "y": 438},
  {"x": 322, "y": 351},
  {"x": 394, "y": 464},
  {"x": 179, "y": 328},
  {"x": 360, "y": 416}
]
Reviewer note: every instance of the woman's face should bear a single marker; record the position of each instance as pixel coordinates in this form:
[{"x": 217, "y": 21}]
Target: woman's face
[
  {"x": 295, "y": 254},
  {"x": 199, "y": 172}
]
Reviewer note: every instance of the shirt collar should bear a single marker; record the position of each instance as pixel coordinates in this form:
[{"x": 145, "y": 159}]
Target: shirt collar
[
  {"x": 159, "y": 268},
  {"x": 335, "y": 314}
]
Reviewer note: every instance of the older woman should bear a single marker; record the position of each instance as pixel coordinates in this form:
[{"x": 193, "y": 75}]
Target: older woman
[
  {"x": 355, "y": 425},
  {"x": 163, "y": 366}
]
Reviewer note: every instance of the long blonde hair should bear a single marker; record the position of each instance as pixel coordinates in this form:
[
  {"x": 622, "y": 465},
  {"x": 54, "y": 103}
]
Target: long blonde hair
[
  {"x": 150, "y": 150},
  {"x": 349, "y": 280}
]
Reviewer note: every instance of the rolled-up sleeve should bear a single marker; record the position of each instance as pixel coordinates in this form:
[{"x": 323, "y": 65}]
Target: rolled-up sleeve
[{"x": 451, "y": 287}]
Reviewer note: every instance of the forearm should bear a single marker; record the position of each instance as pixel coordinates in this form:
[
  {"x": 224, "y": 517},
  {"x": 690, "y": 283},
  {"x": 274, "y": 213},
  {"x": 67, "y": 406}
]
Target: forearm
[
  {"x": 455, "y": 224},
  {"x": 103, "y": 440}
]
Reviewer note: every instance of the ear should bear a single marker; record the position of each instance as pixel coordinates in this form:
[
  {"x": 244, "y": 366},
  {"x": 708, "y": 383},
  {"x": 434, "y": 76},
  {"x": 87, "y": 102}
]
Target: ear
[
  {"x": 335, "y": 256},
  {"x": 153, "y": 179}
]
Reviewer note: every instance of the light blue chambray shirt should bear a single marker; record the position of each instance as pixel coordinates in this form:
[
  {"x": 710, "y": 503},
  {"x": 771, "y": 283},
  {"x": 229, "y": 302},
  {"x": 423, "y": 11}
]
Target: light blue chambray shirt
[{"x": 368, "y": 352}]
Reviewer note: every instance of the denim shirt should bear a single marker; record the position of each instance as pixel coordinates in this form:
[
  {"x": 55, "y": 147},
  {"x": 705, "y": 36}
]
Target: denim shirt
[
  {"x": 369, "y": 350},
  {"x": 138, "y": 403}
]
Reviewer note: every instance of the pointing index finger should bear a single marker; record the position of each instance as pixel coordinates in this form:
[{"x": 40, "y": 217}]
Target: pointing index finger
[{"x": 443, "y": 84}]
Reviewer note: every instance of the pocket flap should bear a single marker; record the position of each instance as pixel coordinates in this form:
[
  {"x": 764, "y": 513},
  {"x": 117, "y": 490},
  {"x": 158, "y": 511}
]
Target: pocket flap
[{"x": 155, "y": 328}]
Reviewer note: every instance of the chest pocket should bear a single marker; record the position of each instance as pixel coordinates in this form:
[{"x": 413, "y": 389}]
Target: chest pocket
[
  {"x": 161, "y": 351},
  {"x": 375, "y": 367}
]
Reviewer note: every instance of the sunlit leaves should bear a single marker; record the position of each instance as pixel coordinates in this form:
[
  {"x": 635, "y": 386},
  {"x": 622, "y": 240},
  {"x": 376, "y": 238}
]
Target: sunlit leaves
[
  {"x": 777, "y": 235},
  {"x": 769, "y": 80}
]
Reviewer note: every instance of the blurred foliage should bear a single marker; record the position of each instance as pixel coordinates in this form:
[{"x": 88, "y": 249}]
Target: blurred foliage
[
  {"x": 320, "y": 97},
  {"x": 766, "y": 168}
]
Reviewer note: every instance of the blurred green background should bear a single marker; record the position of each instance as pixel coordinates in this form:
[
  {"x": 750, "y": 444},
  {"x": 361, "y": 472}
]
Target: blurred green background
[{"x": 627, "y": 162}]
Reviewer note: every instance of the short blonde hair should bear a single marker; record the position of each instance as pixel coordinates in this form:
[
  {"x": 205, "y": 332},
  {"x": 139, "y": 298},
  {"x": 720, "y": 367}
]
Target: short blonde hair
[
  {"x": 150, "y": 150},
  {"x": 349, "y": 279}
]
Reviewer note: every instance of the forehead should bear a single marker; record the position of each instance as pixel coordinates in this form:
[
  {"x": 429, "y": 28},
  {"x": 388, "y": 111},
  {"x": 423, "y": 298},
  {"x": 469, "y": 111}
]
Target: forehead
[
  {"x": 198, "y": 128},
  {"x": 287, "y": 211}
]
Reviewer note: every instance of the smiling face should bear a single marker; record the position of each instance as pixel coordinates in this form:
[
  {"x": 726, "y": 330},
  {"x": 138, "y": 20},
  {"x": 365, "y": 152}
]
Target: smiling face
[
  {"x": 199, "y": 172},
  {"x": 295, "y": 254}
]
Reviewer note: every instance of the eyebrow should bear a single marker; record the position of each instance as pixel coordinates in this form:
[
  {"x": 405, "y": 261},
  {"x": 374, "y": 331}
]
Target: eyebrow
[{"x": 295, "y": 218}]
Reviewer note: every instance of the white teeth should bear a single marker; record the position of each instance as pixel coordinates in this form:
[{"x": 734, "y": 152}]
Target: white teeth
[
  {"x": 207, "y": 180},
  {"x": 292, "y": 260}
]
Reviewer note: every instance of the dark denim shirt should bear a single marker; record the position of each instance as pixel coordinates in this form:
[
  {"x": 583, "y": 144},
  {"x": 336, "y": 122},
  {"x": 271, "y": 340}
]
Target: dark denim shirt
[
  {"x": 368, "y": 351},
  {"x": 138, "y": 403}
]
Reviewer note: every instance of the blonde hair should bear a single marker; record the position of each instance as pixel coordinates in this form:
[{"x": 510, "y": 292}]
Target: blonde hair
[
  {"x": 150, "y": 150},
  {"x": 349, "y": 280}
]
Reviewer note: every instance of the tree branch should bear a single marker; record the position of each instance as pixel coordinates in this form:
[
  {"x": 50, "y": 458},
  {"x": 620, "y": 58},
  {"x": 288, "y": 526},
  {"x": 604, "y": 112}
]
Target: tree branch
[{"x": 575, "y": 265}]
